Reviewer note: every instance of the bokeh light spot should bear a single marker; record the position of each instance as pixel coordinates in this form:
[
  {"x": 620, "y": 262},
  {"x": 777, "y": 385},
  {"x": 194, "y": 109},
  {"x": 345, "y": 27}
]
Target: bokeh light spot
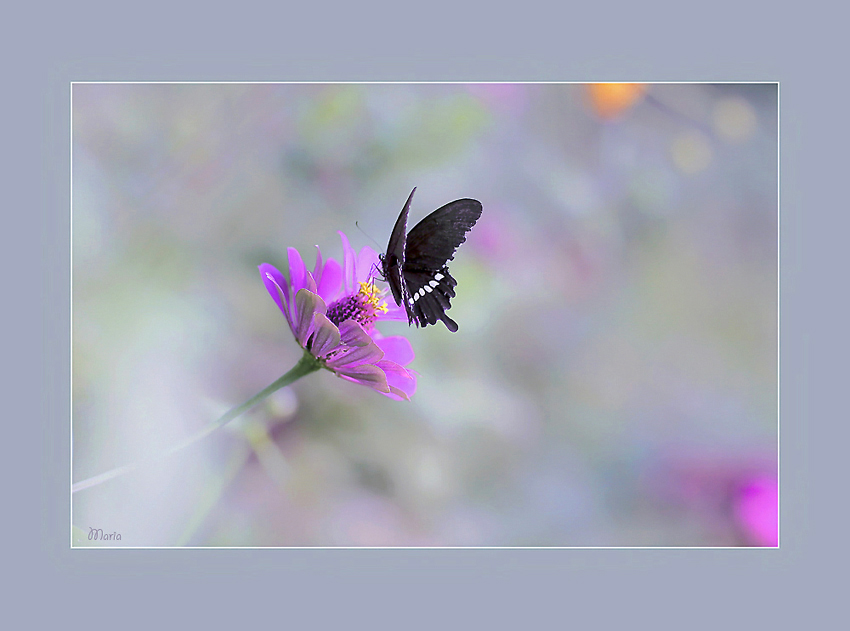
[
  {"x": 734, "y": 119},
  {"x": 610, "y": 100},
  {"x": 691, "y": 152},
  {"x": 757, "y": 510}
]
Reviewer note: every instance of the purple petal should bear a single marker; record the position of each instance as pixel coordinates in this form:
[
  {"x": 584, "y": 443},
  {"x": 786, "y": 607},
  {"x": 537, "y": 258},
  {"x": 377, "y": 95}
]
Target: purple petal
[
  {"x": 297, "y": 271},
  {"x": 309, "y": 283},
  {"x": 353, "y": 334},
  {"x": 367, "y": 375},
  {"x": 356, "y": 355},
  {"x": 399, "y": 377},
  {"x": 396, "y": 349},
  {"x": 306, "y": 304},
  {"x": 396, "y": 394},
  {"x": 331, "y": 281},
  {"x": 325, "y": 335},
  {"x": 278, "y": 289},
  {"x": 348, "y": 265},
  {"x": 367, "y": 262},
  {"x": 394, "y": 312},
  {"x": 317, "y": 270}
]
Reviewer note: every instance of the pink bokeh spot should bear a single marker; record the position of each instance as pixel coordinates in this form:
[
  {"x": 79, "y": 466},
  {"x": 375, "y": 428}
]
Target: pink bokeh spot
[
  {"x": 757, "y": 510},
  {"x": 505, "y": 98}
]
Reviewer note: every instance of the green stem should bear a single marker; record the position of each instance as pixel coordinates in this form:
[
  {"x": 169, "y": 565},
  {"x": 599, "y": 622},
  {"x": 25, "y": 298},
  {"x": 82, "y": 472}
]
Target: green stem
[{"x": 305, "y": 366}]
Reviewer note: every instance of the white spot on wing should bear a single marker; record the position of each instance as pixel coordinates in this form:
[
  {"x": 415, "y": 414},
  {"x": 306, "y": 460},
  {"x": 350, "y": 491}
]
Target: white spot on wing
[
  {"x": 428, "y": 288},
  {"x": 433, "y": 283},
  {"x": 438, "y": 276}
]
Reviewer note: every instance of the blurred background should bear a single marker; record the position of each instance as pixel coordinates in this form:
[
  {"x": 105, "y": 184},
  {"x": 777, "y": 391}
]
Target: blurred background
[{"x": 614, "y": 378}]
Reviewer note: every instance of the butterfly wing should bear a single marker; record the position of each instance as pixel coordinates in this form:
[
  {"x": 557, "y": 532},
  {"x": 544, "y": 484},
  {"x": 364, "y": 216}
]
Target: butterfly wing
[
  {"x": 428, "y": 297},
  {"x": 394, "y": 259},
  {"x": 430, "y": 245}
]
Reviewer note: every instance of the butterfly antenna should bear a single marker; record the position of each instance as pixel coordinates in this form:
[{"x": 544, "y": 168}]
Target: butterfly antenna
[{"x": 380, "y": 249}]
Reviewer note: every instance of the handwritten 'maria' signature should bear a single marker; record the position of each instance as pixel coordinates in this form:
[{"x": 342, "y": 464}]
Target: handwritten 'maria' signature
[{"x": 97, "y": 534}]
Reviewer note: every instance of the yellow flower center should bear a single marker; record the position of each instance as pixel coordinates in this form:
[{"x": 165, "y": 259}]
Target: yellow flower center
[
  {"x": 363, "y": 306},
  {"x": 373, "y": 296}
]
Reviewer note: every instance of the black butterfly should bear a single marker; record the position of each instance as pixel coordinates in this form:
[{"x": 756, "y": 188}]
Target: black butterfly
[{"x": 415, "y": 265}]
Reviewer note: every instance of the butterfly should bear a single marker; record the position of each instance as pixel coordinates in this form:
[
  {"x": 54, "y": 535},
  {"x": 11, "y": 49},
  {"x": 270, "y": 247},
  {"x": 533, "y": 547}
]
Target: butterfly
[{"x": 415, "y": 264}]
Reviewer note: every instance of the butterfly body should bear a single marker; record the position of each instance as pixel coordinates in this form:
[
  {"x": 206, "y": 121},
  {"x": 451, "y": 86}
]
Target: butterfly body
[{"x": 416, "y": 262}]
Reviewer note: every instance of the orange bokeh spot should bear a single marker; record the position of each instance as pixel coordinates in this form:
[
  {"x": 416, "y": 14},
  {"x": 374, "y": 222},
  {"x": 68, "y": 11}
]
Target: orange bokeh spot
[{"x": 609, "y": 100}]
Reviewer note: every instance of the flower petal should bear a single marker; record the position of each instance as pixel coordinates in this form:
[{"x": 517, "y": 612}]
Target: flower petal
[
  {"x": 278, "y": 289},
  {"x": 394, "y": 312},
  {"x": 396, "y": 349},
  {"x": 309, "y": 283},
  {"x": 355, "y": 355},
  {"x": 367, "y": 262},
  {"x": 399, "y": 377},
  {"x": 317, "y": 270},
  {"x": 331, "y": 281},
  {"x": 353, "y": 334},
  {"x": 297, "y": 271},
  {"x": 325, "y": 336},
  {"x": 367, "y": 375},
  {"x": 306, "y": 304},
  {"x": 396, "y": 394},
  {"x": 348, "y": 265}
]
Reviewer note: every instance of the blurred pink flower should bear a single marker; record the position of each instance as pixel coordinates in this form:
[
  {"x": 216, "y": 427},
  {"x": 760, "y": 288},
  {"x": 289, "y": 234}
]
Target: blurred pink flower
[
  {"x": 332, "y": 312},
  {"x": 734, "y": 496},
  {"x": 506, "y": 98},
  {"x": 757, "y": 510}
]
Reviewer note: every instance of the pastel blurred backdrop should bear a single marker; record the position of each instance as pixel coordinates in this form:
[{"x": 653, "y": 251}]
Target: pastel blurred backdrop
[{"x": 614, "y": 378}]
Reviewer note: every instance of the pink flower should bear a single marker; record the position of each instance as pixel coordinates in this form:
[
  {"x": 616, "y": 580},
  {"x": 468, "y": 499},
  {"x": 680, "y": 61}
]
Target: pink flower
[
  {"x": 757, "y": 510},
  {"x": 332, "y": 313}
]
